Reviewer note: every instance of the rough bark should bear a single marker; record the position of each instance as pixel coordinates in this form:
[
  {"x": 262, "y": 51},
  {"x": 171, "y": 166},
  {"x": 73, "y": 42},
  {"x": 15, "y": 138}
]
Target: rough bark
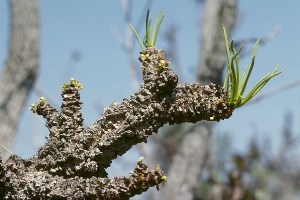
[
  {"x": 186, "y": 165},
  {"x": 73, "y": 161},
  {"x": 19, "y": 73}
]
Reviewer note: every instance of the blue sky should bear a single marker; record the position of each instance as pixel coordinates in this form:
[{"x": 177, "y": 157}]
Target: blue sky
[{"x": 103, "y": 68}]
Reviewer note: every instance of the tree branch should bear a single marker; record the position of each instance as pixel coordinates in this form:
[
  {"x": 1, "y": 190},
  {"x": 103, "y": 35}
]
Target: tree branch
[
  {"x": 42, "y": 185},
  {"x": 77, "y": 158}
]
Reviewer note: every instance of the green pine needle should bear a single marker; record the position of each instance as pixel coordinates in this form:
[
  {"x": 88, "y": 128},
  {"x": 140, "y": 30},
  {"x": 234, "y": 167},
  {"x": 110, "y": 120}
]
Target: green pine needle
[
  {"x": 234, "y": 83},
  {"x": 150, "y": 36},
  {"x": 137, "y": 36}
]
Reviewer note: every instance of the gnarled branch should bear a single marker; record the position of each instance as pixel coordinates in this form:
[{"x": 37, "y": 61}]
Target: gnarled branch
[{"x": 74, "y": 160}]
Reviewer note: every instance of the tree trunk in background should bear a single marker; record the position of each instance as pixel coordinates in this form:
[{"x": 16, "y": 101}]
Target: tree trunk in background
[
  {"x": 213, "y": 56},
  {"x": 183, "y": 172},
  {"x": 19, "y": 73}
]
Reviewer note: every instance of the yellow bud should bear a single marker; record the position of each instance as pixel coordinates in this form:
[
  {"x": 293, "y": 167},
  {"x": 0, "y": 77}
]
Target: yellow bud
[
  {"x": 164, "y": 178},
  {"x": 42, "y": 100},
  {"x": 140, "y": 159},
  {"x": 157, "y": 168},
  {"x": 162, "y": 62}
]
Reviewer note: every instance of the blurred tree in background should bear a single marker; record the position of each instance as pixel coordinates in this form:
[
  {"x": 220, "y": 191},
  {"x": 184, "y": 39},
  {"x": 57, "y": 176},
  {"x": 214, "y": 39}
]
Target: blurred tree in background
[{"x": 19, "y": 73}]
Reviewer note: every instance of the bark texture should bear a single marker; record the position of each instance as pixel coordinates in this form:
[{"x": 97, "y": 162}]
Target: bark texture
[
  {"x": 73, "y": 162},
  {"x": 19, "y": 73},
  {"x": 183, "y": 173}
]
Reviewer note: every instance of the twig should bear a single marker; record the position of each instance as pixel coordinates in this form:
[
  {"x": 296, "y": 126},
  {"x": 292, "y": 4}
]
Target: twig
[{"x": 7, "y": 149}]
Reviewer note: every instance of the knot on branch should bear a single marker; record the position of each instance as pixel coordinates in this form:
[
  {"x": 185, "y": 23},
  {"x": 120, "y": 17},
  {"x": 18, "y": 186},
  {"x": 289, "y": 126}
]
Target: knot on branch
[{"x": 158, "y": 77}]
